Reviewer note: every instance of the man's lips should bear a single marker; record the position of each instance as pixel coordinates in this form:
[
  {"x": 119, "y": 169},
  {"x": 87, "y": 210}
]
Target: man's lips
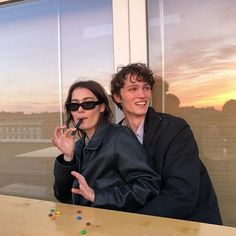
[{"x": 141, "y": 103}]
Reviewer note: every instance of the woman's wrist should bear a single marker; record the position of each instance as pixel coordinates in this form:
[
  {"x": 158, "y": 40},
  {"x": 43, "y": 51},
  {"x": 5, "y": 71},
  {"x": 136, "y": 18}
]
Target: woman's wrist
[{"x": 68, "y": 158}]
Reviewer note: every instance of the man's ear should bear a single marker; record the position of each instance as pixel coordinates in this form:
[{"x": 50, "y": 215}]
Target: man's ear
[{"x": 117, "y": 98}]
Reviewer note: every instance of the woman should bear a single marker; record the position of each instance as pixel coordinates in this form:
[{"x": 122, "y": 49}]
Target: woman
[{"x": 107, "y": 167}]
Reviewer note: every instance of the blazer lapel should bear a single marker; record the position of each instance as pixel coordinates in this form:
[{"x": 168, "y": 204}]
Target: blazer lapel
[{"x": 152, "y": 122}]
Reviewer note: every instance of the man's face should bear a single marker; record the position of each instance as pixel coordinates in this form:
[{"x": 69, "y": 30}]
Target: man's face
[{"x": 134, "y": 97}]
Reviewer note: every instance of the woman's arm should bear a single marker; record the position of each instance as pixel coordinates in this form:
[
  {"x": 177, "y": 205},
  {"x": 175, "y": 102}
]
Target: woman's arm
[{"x": 141, "y": 182}]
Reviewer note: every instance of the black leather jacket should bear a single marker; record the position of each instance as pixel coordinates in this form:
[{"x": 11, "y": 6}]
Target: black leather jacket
[{"x": 115, "y": 165}]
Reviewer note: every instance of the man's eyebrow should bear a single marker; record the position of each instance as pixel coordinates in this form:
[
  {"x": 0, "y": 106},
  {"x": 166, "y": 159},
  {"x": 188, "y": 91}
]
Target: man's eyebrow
[{"x": 132, "y": 85}]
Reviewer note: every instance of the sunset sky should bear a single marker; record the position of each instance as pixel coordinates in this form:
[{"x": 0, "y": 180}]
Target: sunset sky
[
  {"x": 33, "y": 60},
  {"x": 199, "y": 50}
]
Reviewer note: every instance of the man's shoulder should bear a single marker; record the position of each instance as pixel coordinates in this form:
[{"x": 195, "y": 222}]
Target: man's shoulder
[{"x": 164, "y": 116}]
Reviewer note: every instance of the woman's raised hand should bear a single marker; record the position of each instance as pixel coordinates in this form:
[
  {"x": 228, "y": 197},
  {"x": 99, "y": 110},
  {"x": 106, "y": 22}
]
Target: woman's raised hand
[{"x": 64, "y": 141}]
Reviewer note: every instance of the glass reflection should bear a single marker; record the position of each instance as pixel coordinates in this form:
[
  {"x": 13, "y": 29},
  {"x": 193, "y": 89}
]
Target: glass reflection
[
  {"x": 192, "y": 51},
  {"x": 45, "y": 46}
]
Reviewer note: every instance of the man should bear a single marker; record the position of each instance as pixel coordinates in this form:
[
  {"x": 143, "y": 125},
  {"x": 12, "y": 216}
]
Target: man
[{"x": 186, "y": 189}]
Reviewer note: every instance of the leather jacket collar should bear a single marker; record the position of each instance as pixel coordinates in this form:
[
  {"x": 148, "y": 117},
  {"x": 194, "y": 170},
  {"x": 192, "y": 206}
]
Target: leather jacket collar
[{"x": 98, "y": 136}]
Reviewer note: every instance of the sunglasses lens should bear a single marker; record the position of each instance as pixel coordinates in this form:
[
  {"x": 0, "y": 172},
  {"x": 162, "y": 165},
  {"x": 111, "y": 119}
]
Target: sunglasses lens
[
  {"x": 85, "y": 105},
  {"x": 88, "y": 105},
  {"x": 72, "y": 106}
]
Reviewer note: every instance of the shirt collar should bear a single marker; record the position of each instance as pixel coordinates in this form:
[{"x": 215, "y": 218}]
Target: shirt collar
[{"x": 139, "y": 132}]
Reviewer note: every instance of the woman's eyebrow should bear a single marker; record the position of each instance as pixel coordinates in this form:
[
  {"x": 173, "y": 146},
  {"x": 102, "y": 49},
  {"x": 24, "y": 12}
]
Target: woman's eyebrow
[{"x": 83, "y": 99}]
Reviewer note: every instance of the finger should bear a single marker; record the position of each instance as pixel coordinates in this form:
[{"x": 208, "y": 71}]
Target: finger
[
  {"x": 87, "y": 194},
  {"x": 76, "y": 174},
  {"x": 53, "y": 141},
  {"x": 82, "y": 181},
  {"x": 58, "y": 129},
  {"x": 68, "y": 132},
  {"x": 76, "y": 191}
]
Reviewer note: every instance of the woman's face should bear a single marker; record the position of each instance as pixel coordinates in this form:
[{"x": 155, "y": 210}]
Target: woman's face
[{"x": 90, "y": 117}]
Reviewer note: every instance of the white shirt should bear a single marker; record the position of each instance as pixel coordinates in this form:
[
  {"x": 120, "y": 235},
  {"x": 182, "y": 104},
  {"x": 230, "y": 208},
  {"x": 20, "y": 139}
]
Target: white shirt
[{"x": 139, "y": 132}]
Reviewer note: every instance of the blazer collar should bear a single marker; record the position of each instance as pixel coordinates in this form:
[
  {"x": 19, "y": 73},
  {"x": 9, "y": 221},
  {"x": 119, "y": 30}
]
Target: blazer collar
[{"x": 152, "y": 122}]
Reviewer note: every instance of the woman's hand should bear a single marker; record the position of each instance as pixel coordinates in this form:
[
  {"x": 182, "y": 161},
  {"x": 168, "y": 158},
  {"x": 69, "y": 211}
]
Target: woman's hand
[
  {"x": 64, "y": 141},
  {"x": 83, "y": 189}
]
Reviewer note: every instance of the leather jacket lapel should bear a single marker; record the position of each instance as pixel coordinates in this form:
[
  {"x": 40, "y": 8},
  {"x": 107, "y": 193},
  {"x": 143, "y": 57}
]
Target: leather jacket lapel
[{"x": 98, "y": 136}]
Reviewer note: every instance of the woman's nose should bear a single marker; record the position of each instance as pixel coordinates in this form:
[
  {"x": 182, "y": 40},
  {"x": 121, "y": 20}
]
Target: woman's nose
[{"x": 80, "y": 109}]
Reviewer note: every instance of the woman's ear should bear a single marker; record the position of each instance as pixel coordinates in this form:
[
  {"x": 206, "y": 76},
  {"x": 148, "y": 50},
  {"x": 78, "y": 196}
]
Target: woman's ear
[{"x": 102, "y": 107}]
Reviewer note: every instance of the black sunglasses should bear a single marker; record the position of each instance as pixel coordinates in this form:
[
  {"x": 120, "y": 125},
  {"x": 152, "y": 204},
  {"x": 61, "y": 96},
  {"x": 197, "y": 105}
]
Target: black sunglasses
[{"x": 85, "y": 105}]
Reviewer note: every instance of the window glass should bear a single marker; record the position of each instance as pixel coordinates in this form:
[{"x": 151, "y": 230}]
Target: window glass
[
  {"x": 192, "y": 52},
  {"x": 44, "y": 47}
]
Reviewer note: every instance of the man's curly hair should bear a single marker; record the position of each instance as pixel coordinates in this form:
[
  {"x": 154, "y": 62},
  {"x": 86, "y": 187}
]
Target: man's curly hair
[{"x": 139, "y": 70}]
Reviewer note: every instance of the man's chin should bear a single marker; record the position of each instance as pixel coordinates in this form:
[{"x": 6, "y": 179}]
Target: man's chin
[
  {"x": 141, "y": 112},
  {"x": 142, "y": 109}
]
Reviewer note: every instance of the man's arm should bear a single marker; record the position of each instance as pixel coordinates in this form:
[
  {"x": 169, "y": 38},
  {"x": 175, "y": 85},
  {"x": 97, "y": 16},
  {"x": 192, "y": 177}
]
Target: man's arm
[{"x": 180, "y": 174}]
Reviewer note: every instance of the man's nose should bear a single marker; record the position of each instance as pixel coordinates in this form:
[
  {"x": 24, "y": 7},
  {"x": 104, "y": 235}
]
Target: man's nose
[{"x": 141, "y": 92}]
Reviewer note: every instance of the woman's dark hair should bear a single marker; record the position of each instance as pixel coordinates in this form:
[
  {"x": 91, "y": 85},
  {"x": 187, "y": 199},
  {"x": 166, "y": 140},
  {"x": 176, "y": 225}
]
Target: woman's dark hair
[
  {"x": 140, "y": 70},
  {"x": 98, "y": 91}
]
